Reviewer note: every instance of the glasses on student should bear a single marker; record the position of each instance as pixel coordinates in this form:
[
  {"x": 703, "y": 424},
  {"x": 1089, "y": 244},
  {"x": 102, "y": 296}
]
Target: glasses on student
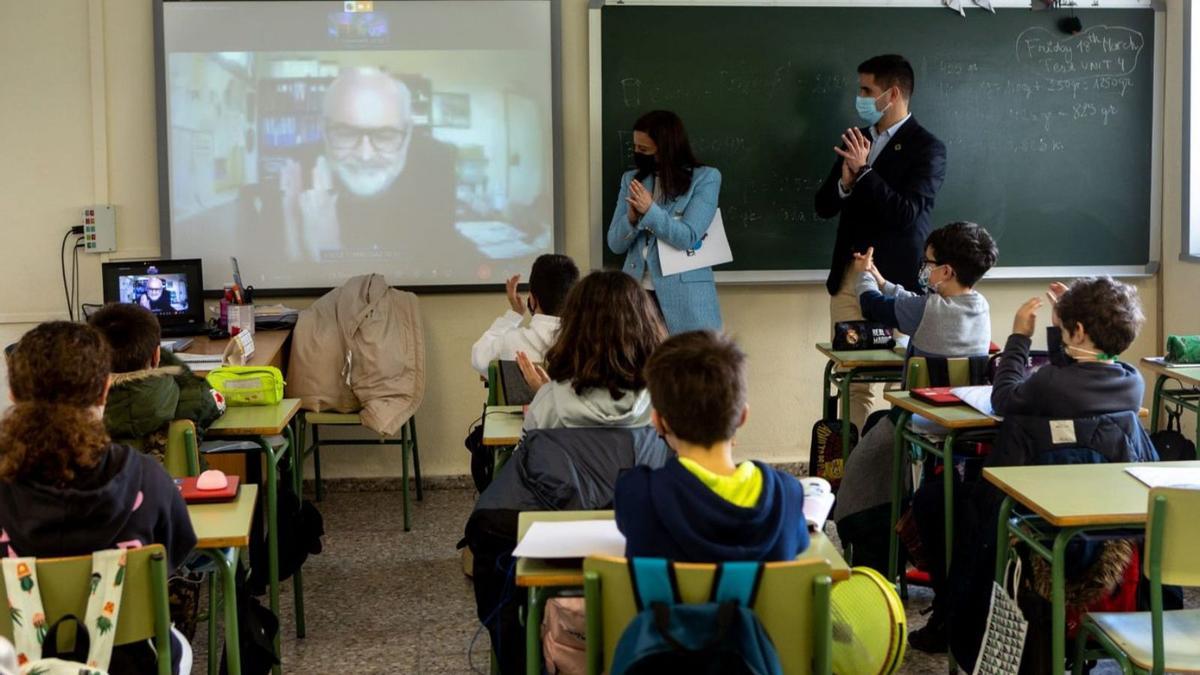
[
  {"x": 931, "y": 263},
  {"x": 344, "y": 137}
]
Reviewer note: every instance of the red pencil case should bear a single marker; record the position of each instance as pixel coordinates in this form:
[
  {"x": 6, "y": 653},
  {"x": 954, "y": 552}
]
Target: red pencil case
[
  {"x": 936, "y": 396},
  {"x": 193, "y": 495}
]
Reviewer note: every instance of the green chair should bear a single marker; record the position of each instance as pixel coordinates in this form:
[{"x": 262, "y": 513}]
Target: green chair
[
  {"x": 182, "y": 456},
  {"x": 495, "y": 391},
  {"x": 792, "y": 604},
  {"x": 1155, "y": 641},
  {"x": 66, "y": 585},
  {"x": 407, "y": 440}
]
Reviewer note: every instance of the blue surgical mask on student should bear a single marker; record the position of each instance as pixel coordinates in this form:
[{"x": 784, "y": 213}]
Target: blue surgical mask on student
[{"x": 867, "y": 112}]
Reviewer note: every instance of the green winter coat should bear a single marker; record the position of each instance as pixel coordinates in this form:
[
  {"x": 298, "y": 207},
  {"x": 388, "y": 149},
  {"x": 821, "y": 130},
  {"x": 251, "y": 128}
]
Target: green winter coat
[{"x": 143, "y": 402}]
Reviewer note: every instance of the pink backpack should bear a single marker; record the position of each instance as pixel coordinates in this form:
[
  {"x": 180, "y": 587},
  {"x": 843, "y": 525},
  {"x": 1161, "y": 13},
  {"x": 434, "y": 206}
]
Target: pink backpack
[{"x": 564, "y": 632}]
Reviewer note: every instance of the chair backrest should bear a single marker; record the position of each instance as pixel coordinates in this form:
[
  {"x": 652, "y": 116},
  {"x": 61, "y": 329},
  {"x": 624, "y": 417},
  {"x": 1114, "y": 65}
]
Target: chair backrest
[
  {"x": 495, "y": 391},
  {"x": 182, "y": 455},
  {"x": 65, "y": 584},
  {"x": 963, "y": 371},
  {"x": 792, "y": 604},
  {"x": 1171, "y": 541}
]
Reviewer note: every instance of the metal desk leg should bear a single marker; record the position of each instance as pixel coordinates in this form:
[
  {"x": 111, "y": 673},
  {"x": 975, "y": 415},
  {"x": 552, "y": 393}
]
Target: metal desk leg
[
  {"x": 272, "y": 479},
  {"x": 899, "y": 450},
  {"x": 1002, "y": 539},
  {"x": 533, "y": 630},
  {"x": 948, "y": 535},
  {"x": 297, "y": 466},
  {"x": 213, "y": 654},
  {"x": 1156, "y": 404},
  {"x": 1058, "y": 602},
  {"x": 227, "y": 562}
]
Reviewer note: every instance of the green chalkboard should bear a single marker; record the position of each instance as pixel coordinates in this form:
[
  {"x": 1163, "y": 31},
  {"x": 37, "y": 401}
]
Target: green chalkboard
[{"x": 1049, "y": 137}]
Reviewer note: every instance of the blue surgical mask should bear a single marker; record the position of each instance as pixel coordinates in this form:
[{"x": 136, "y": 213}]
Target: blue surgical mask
[{"x": 867, "y": 112}]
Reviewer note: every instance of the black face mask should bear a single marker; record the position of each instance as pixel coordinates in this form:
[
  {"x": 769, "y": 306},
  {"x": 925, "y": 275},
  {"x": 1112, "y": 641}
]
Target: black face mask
[{"x": 644, "y": 162}]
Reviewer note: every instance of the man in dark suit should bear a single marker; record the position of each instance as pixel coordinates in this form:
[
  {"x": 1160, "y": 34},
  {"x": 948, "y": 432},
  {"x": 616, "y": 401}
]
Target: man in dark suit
[{"x": 883, "y": 184}]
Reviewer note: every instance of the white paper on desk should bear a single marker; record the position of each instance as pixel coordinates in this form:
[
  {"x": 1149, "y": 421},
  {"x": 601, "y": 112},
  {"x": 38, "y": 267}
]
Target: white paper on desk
[
  {"x": 818, "y": 500},
  {"x": 1165, "y": 476},
  {"x": 714, "y": 250},
  {"x": 978, "y": 397},
  {"x": 571, "y": 539},
  {"x": 202, "y": 359}
]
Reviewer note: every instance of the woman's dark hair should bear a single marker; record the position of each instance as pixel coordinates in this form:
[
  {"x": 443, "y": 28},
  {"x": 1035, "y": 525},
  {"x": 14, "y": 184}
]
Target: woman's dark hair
[
  {"x": 675, "y": 158},
  {"x": 608, "y": 328},
  {"x": 57, "y": 373},
  {"x": 1109, "y": 311}
]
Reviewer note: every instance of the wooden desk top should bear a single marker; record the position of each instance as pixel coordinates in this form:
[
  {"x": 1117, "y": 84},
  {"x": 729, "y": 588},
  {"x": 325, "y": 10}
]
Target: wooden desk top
[
  {"x": 255, "y": 420},
  {"x": 1074, "y": 495},
  {"x": 534, "y": 572},
  {"x": 268, "y": 348},
  {"x": 865, "y": 358},
  {"x": 949, "y": 416},
  {"x": 225, "y": 525},
  {"x": 502, "y": 425},
  {"x": 1187, "y": 374}
]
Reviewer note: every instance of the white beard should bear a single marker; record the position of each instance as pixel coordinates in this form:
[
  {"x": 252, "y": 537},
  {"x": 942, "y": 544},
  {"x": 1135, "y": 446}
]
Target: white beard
[{"x": 367, "y": 181}]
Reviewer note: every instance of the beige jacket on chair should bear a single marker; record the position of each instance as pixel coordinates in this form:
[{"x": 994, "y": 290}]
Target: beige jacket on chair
[{"x": 360, "y": 348}]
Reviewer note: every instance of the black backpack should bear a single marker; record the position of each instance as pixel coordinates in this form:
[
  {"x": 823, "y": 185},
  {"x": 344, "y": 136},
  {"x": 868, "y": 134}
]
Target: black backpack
[{"x": 1170, "y": 442}]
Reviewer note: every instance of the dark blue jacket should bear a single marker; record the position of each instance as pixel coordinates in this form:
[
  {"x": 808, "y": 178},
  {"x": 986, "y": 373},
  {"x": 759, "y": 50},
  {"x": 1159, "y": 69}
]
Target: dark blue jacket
[
  {"x": 669, "y": 513},
  {"x": 889, "y": 206}
]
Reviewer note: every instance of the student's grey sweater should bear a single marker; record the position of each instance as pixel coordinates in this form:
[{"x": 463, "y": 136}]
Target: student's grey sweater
[{"x": 957, "y": 326}]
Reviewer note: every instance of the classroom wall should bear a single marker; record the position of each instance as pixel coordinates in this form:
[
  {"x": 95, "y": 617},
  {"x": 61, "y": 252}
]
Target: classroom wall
[{"x": 77, "y": 122}]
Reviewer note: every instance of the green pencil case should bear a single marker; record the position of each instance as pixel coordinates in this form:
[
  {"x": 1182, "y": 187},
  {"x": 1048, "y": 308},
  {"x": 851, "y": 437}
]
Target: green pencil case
[{"x": 1183, "y": 349}]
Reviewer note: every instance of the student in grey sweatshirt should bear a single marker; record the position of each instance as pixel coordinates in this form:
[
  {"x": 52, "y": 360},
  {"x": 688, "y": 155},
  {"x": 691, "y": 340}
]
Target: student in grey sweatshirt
[
  {"x": 593, "y": 374},
  {"x": 950, "y": 320}
]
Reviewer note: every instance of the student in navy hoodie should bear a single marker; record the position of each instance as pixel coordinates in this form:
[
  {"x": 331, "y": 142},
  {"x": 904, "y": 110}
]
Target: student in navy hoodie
[
  {"x": 65, "y": 488},
  {"x": 701, "y": 506}
]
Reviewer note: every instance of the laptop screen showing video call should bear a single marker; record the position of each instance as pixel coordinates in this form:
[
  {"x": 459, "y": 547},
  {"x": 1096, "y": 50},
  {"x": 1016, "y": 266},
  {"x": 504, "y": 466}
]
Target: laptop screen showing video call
[
  {"x": 171, "y": 289},
  {"x": 163, "y": 294}
]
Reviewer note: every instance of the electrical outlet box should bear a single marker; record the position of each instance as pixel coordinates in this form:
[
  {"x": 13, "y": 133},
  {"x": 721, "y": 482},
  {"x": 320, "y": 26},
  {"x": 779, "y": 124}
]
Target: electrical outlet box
[{"x": 100, "y": 229}]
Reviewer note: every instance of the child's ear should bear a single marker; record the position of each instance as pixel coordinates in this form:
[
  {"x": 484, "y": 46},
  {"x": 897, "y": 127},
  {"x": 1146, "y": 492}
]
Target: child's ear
[
  {"x": 659, "y": 424},
  {"x": 745, "y": 415},
  {"x": 104, "y": 394},
  {"x": 157, "y": 358}
]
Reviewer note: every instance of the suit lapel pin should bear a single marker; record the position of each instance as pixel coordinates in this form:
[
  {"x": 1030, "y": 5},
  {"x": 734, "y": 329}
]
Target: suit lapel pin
[{"x": 896, "y": 147}]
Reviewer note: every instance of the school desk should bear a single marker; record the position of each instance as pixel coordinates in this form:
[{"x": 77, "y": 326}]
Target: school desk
[
  {"x": 269, "y": 350},
  {"x": 545, "y": 579},
  {"x": 259, "y": 423},
  {"x": 502, "y": 425},
  {"x": 956, "y": 419},
  {"x": 1187, "y": 396},
  {"x": 866, "y": 366},
  {"x": 1065, "y": 500},
  {"x": 221, "y": 530}
]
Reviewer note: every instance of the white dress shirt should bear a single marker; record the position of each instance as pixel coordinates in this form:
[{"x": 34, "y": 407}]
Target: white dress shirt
[{"x": 879, "y": 141}]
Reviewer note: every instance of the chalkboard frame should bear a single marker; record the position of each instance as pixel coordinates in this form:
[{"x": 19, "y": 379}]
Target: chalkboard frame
[{"x": 599, "y": 210}]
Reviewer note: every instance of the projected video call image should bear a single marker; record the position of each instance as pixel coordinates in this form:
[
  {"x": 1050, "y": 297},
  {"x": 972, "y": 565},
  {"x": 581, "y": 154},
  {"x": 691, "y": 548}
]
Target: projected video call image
[
  {"x": 163, "y": 294},
  {"x": 426, "y": 165}
]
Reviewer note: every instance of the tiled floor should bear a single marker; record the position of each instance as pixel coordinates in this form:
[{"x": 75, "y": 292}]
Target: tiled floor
[{"x": 381, "y": 600}]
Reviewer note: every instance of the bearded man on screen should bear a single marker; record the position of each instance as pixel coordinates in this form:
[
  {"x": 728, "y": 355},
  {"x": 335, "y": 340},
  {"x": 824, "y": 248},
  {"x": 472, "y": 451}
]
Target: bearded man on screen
[{"x": 383, "y": 187}]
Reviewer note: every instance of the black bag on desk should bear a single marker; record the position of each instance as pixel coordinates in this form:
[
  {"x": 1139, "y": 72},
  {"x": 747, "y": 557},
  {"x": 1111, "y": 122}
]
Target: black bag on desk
[
  {"x": 854, "y": 335},
  {"x": 1170, "y": 442}
]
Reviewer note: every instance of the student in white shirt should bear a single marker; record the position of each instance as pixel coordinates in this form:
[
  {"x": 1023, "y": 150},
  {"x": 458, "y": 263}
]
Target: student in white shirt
[{"x": 551, "y": 277}]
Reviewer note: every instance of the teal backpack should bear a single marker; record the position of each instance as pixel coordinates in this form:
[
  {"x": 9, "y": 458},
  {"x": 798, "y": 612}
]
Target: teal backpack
[{"x": 720, "y": 636}]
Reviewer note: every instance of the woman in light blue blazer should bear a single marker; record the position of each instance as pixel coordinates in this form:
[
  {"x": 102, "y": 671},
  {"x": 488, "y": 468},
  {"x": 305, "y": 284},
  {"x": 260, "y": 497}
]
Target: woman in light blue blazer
[{"x": 672, "y": 197}]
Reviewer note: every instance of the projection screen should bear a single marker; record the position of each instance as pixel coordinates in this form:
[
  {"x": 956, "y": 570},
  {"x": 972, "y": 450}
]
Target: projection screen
[{"x": 319, "y": 140}]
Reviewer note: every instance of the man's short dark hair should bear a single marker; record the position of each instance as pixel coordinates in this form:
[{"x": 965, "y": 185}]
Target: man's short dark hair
[
  {"x": 551, "y": 278},
  {"x": 891, "y": 70},
  {"x": 697, "y": 383},
  {"x": 1109, "y": 311},
  {"x": 132, "y": 332},
  {"x": 966, "y": 247}
]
